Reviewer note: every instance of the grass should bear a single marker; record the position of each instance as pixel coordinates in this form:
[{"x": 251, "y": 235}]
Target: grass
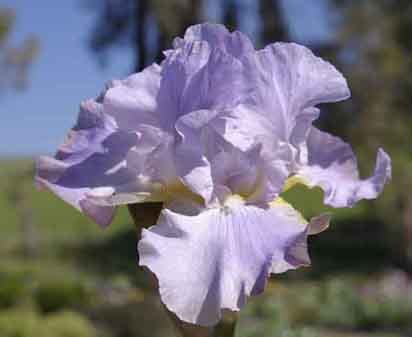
[{"x": 70, "y": 275}]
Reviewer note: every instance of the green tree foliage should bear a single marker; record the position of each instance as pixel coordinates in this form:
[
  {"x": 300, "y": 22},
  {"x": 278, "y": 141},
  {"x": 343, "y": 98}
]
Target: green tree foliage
[
  {"x": 149, "y": 26},
  {"x": 131, "y": 22},
  {"x": 273, "y": 23},
  {"x": 15, "y": 323},
  {"x": 376, "y": 49},
  {"x": 370, "y": 46},
  {"x": 15, "y": 61}
]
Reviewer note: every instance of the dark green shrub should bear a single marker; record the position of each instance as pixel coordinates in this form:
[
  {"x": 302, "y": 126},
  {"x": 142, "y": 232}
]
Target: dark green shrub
[
  {"x": 20, "y": 323},
  {"x": 13, "y": 287},
  {"x": 56, "y": 295},
  {"x": 14, "y": 323},
  {"x": 341, "y": 305},
  {"x": 68, "y": 324}
]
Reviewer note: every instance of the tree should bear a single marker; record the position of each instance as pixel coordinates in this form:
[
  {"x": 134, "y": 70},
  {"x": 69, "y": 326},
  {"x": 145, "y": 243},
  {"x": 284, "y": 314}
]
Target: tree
[
  {"x": 14, "y": 61},
  {"x": 230, "y": 14},
  {"x": 273, "y": 23},
  {"x": 133, "y": 22},
  {"x": 14, "y": 66},
  {"x": 375, "y": 41}
]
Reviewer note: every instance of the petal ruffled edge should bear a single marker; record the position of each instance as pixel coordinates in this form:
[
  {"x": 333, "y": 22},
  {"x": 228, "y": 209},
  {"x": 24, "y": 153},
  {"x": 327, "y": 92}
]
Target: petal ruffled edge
[
  {"x": 216, "y": 259},
  {"x": 102, "y": 215},
  {"x": 332, "y": 166},
  {"x": 92, "y": 142},
  {"x": 217, "y": 36}
]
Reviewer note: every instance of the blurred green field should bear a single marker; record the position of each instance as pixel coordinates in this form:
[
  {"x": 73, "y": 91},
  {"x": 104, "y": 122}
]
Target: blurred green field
[{"x": 62, "y": 276}]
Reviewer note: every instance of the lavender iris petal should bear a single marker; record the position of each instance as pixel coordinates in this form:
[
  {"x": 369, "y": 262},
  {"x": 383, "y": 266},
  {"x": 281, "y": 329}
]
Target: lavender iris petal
[
  {"x": 213, "y": 132},
  {"x": 215, "y": 260}
]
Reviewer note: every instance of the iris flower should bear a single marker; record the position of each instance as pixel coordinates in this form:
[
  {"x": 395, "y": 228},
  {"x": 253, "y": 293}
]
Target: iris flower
[{"x": 215, "y": 132}]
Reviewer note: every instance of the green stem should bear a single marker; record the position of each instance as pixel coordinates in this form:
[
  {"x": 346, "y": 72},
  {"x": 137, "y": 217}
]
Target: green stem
[{"x": 146, "y": 215}]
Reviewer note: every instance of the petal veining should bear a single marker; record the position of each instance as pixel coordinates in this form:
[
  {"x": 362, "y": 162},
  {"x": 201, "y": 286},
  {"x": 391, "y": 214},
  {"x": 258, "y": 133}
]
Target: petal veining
[
  {"x": 216, "y": 259},
  {"x": 332, "y": 166}
]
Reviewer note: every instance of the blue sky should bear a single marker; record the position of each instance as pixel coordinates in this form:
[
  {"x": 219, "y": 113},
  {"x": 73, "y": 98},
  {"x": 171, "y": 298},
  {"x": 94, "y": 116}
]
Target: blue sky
[{"x": 36, "y": 120}]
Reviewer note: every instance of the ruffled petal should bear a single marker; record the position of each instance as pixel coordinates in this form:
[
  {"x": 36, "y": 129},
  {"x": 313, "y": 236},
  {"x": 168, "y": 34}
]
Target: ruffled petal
[
  {"x": 235, "y": 44},
  {"x": 286, "y": 81},
  {"x": 132, "y": 102},
  {"x": 149, "y": 164},
  {"x": 272, "y": 177},
  {"x": 86, "y": 137},
  {"x": 246, "y": 174},
  {"x": 92, "y": 157},
  {"x": 208, "y": 164},
  {"x": 296, "y": 80},
  {"x": 245, "y": 127},
  {"x": 216, "y": 259},
  {"x": 117, "y": 153},
  {"x": 236, "y": 170},
  {"x": 102, "y": 215},
  {"x": 300, "y": 132},
  {"x": 192, "y": 164},
  {"x": 332, "y": 166},
  {"x": 178, "y": 70},
  {"x": 153, "y": 156},
  {"x": 199, "y": 77}
]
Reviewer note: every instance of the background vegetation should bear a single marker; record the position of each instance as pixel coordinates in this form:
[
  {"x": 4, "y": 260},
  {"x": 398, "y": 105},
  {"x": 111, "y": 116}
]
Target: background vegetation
[{"x": 61, "y": 276}]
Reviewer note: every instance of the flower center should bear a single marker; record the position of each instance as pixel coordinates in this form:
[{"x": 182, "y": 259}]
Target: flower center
[
  {"x": 177, "y": 189},
  {"x": 233, "y": 201}
]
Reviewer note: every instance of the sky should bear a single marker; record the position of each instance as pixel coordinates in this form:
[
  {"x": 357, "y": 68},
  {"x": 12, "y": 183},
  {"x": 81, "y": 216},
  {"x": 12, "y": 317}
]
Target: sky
[{"x": 35, "y": 121}]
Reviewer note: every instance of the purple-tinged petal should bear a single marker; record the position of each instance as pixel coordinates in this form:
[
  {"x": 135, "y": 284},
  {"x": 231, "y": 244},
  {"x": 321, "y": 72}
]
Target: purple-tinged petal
[
  {"x": 102, "y": 215},
  {"x": 300, "y": 132},
  {"x": 299, "y": 79},
  {"x": 85, "y": 138},
  {"x": 133, "y": 102},
  {"x": 177, "y": 72},
  {"x": 216, "y": 259},
  {"x": 192, "y": 165},
  {"x": 332, "y": 166},
  {"x": 93, "y": 156},
  {"x": 206, "y": 162},
  {"x": 197, "y": 77},
  {"x": 245, "y": 128},
  {"x": 297, "y": 255},
  {"x": 153, "y": 156},
  {"x": 272, "y": 176},
  {"x": 235, "y": 44},
  {"x": 288, "y": 79},
  {"x": 220, "y": 84},
  {"x": 236, "y": 170},
  {"x": 246, "y": 174},
  {"x": 285, "y": 82}
]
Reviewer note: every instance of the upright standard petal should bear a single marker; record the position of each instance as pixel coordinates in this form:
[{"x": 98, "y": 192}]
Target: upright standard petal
[
  {"x": 332, "y": 166},
  {"x": 199, "y": 77},
  {"x": 209, "y": 165},
  {"x": 216, "y": 259},
  {"x": 297, "y": 80},
  {"x": 235, "y": 44},
  {"x": 285, "y": 82},
  {"x": 132, "y": 102},
  {"x": 192, "y": 163}
]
